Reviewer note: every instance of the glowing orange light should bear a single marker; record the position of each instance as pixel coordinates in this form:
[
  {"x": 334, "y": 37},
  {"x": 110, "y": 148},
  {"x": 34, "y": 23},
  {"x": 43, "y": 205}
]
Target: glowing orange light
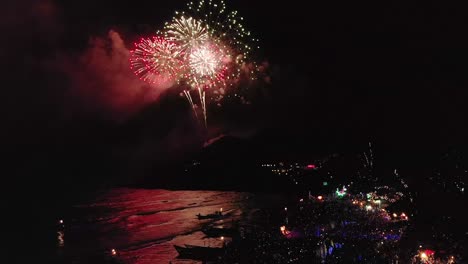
[
  {"x": 284, "y": 231},
  {"x": 320, "y": 197},
  {"x": 423, "y": 255},
  {"x": 113, "y": 252}
]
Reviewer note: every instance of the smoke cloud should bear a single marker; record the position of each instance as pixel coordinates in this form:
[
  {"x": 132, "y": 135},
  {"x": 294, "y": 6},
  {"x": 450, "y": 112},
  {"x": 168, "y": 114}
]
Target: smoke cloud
[{"x": 102, "y": 80}]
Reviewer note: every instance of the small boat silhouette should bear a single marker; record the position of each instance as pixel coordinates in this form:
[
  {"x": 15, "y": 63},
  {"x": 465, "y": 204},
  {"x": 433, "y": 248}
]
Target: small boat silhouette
[
  {"x": 199, "y": 252},
  {"x": 217, "y": 214}
]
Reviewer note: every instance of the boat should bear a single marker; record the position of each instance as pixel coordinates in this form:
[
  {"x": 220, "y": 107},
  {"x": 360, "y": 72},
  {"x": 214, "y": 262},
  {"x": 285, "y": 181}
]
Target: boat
[
  {"x": 198, "y": 252},
  {"x": 216, "y": 215}
]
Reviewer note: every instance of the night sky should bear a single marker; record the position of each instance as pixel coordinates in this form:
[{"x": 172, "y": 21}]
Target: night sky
[{"x": 342, "y": 73}]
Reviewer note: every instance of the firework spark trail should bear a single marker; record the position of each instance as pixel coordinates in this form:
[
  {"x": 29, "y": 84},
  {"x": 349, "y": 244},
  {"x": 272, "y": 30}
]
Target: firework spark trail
[
  {"x": 366, "y": 164},
  {"x": 205, "y": 62},
  {"x": 189, "y": 98},
  {"x": 201, "y": 94},
  {"x": 206, "y": 71}
]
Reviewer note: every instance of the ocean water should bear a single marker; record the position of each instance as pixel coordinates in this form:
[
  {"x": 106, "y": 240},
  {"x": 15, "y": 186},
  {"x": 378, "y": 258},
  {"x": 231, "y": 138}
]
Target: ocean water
[{"x": 142, "y": 225}]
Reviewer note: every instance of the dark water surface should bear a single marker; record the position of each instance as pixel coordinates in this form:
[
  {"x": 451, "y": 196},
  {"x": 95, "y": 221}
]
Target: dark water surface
[{"x": 143, "y": 225}]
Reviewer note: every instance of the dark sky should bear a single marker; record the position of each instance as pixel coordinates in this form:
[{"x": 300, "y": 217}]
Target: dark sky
[{"x": 342, "y": 73}]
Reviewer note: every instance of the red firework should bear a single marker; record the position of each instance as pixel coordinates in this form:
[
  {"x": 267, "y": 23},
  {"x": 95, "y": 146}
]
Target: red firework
[{"x": 155, "y": 59}]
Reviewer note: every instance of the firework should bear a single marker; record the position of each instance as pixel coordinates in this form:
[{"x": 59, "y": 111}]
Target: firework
[
  {"x": 156, "y": 57},
  {"x": 189, "y": 98},
  {"x": 205, "y": 61},
  {"x": 216, "y": 47},
  {"x": 226, "y": 30},
  {"x": 188, "y": 33},
  {"x": 208, "y": 62},
  {"x": 208, "y": 68},
  {"x": 206, "y": 46},
  {"x": 225, "y": 27},
  {"x": 210, "y": 22}
]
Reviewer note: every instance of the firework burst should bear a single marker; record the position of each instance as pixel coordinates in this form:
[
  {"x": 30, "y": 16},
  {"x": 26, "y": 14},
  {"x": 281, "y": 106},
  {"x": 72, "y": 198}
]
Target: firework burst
[
  {"x": 206, "y": 46},
  {"x": 156, "y": 58},
  {"x": 225, "y": 27},
  {"x": 207, "y": 64},
  {"x": 207, "y": 70},
  {"x": 205, "y": 61},
  {"x": 188, "y": 33}
]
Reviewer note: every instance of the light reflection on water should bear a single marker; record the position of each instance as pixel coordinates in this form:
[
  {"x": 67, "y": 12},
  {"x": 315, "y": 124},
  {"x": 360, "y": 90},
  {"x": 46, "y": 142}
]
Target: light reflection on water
[
  {"x": 60, "y": 238},
  {"x": 143, "y": 225}
]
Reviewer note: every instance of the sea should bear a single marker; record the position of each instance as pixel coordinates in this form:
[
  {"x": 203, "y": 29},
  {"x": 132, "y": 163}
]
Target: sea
[{"x": 141, "y": 226}]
